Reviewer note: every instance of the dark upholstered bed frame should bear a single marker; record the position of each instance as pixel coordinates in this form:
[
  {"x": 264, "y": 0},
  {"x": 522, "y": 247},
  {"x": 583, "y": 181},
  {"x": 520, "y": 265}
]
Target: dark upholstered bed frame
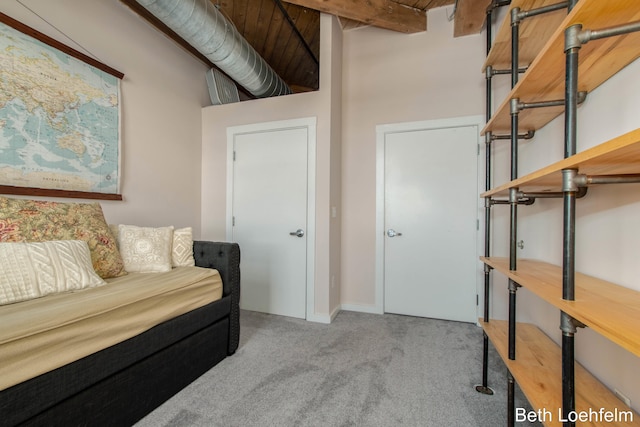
[{"x": 121, "y": 384}]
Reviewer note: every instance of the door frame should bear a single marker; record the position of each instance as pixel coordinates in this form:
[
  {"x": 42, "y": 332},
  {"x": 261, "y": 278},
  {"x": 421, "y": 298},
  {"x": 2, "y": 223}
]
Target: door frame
[
  {"x": 310, "y": 124},
  {"x": 381, "y": 132}
]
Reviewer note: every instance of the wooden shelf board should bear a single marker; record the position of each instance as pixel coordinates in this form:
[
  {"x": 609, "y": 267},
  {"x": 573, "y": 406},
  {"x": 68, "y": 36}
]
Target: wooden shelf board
[
  {"x": 620, "y": 155},
  {"x": 598, "y": 61},
  {"x": 609, "y": 309},
  {"x": 538, "y": 371},
  {"x": 534, "y": 33}
]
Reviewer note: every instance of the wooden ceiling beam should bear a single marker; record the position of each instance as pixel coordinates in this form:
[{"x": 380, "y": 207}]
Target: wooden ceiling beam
[
  {"x": 380, "y": 13},
  {"x": 470, "y": 16}
]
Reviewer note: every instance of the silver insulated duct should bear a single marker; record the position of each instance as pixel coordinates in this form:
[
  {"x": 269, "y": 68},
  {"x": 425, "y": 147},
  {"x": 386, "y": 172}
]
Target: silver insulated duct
[{"x": 201, "y": 25}]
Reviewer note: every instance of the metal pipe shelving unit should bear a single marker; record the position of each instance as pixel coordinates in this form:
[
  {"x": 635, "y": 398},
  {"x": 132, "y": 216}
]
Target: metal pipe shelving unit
[
  {"x": 575, "y": 37},
  {"x": 572, "y": 185},
  {"x": 515, "y": 199},
  {"x": 489, "y": 138}
]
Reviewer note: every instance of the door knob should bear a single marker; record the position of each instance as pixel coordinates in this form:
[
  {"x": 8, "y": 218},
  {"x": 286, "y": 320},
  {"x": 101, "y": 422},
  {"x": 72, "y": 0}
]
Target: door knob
[
  {"x": 393, "y": 233},
  {"x": 299, "y": 232}
]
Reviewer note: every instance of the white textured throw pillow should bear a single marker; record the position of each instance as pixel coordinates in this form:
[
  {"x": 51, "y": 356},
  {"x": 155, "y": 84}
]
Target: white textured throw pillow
[
  {"x": 145, "y": 249},
  {"x": 33, "y": 270},
  {"x": 182, "y": 252},
  {"x": 181, "y": 249}
]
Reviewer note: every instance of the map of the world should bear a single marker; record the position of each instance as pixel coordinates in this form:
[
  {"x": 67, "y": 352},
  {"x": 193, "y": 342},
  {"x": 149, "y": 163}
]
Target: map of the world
[{"x": 59, "y": 119}]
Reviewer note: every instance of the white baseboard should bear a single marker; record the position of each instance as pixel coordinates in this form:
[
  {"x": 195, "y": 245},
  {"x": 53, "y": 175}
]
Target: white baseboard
[
  {"x": 335, "y": 312},
  {"x": 319, "y": 318},
  {"x": 373, "y": 309},
  {"x": 328, "y": 318},
  {"x": 324, "y": 318}
]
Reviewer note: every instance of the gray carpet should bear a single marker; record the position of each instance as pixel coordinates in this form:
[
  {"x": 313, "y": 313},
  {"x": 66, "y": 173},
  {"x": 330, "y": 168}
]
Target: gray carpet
[{"x": 361, "y": 370}]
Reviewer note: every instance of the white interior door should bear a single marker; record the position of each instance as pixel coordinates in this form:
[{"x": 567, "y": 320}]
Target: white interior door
[
  {"x": 430, "y": 222},
  {"x": 269, "y": 218}
]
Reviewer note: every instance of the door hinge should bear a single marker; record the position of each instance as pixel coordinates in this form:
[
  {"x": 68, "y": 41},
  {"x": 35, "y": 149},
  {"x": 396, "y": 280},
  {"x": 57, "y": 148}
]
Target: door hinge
[
  {"x": 478, "y": 145},
  {"x": 233, "y": 221},
  {"x": 234, "y": 156},
  {"x": 477, "y": 225},
  {"x": 477, "y": 300}
]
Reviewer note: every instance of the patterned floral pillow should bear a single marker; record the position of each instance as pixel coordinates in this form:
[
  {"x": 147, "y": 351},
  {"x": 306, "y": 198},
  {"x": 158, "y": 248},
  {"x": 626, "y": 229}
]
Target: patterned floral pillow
[{"x": 24, "y": 220}]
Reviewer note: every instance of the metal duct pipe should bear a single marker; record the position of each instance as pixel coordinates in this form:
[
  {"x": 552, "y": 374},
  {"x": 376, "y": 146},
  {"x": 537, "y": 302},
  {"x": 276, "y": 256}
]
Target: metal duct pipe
[{"x": 206, "y": 29}]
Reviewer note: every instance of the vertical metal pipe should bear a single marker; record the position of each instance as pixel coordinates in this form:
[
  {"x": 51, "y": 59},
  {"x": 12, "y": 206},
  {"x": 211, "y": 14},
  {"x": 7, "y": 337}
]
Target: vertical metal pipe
[
  {"x": 568, "y": 369},
  {"x": 512, "y": 319},
  {"x": 568, "y": 293},
  {"x": 572, "y": 47},
  {"x": 489, "y": 21},
  {"x": 485, "y": 316},
  {"x": 568, "y": 245},
  {"x": 487, "y": 229},
  {"x": 513, "y": 229},
  {"x": 511, "y": 401},
  {"x": 488, "y": 89},
  {"x": 514, "y": 138},
  {"x": 513, "y": 287},
  {"x": 487, "y": 275},
  {"x": 487, "y": 223},
  {"x": 484, "y": 387},
  {"x": 515, "y": 44},
  {"x": 571, "y": 102},
  {"x": 513, "y": 200}
]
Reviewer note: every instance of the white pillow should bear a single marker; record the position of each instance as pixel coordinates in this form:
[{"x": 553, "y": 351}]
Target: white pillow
[
  {"x": 145, "y": 249},
  {"x": 182, "y": 251},
  {"x": 33, "y": 270},
  {"x": 181, "y": 248}
]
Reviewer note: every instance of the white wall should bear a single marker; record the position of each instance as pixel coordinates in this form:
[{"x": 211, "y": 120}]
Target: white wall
[
  {"x": 163, "y": 91},
  {"x": 335, "y": 245},
  {"x": 390, "y": 78}
]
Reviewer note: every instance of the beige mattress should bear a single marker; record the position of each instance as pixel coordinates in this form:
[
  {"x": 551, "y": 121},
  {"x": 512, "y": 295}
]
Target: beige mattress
[{"x": 40, "y": 335}]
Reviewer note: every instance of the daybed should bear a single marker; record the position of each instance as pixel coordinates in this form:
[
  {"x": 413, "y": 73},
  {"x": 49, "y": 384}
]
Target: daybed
[{"x": 119, "y": 384}]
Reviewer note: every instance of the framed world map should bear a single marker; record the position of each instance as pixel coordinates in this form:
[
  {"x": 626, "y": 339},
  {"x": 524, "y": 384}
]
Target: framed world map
[{"x": 59, "y": 118}]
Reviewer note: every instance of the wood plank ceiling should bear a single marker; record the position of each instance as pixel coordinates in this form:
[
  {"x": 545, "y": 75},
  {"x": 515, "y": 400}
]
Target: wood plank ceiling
[{"x": 287, "y": 33}]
